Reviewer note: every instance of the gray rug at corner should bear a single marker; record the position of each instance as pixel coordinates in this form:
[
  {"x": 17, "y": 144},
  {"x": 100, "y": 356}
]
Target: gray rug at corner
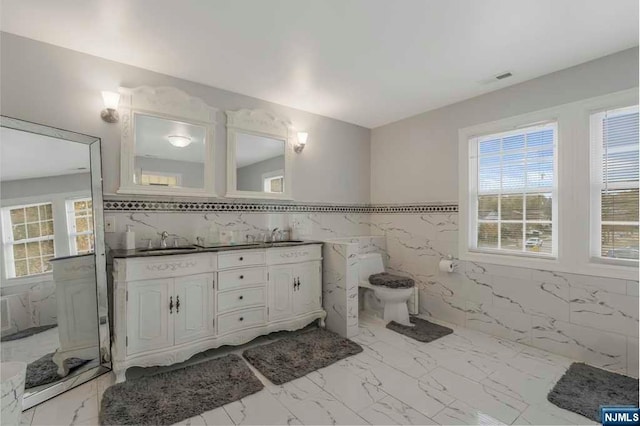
[
  {"x": 295, "y": 355},
  {"x": 583, "y": 389},
  {"x": 44, "y": 371},
  {"x": 169, "y": 397},
  {"x": 422, "y": 330},
  {"x": 26, "y": 333}
]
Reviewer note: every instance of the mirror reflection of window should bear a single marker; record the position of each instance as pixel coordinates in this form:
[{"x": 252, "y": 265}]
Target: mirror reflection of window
[
  {"x": 259, "y": 163},
  {"x": 168, "y": 153},
  {"x": 275, "y": 183}
]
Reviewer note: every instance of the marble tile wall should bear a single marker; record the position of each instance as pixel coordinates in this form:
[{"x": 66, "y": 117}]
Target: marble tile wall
[
  {"x": 587, "y": 318},
  {"x": 31, "y": 305},
  {"x": 187, "y": 225}
]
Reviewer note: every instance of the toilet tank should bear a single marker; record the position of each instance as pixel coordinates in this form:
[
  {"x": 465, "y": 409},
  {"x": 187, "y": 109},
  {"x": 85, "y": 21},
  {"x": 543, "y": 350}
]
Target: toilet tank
[{"x": 369, "y": 264}]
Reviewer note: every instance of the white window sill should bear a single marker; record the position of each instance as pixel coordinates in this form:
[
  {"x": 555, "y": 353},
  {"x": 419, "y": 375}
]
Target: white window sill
[{"x": 626, "y": 271}]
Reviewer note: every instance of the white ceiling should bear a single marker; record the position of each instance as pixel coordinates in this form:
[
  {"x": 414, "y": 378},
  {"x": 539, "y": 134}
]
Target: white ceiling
[
  {"x": 368, "y": 62},
  {"x": 151, "y": 139},
  {"x": 251, "y": 149},
  {"x": 25, "y": 155}
]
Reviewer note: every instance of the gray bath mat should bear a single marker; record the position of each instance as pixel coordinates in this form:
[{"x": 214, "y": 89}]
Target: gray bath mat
[
  {"x": 296, "y": 355},
  {"x": 169, "y": 397},
  {"x": 583, "y": 389},
  {"x": 422, "y": 330},
  {"x": 44, "y": 371},
  {"x": 26, "y": 333}
]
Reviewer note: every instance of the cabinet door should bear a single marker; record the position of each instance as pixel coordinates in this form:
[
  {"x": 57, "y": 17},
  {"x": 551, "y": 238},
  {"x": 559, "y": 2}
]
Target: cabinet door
[
  {"x": 306, "y": 295},
  {"x": 280, "y": 292},
  {"x": 193, "y": 310},
  {"x": 149, "y": 321}
]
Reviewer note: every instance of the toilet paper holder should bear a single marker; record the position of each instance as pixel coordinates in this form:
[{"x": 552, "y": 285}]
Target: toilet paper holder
[{"x": 447, "y": 264}]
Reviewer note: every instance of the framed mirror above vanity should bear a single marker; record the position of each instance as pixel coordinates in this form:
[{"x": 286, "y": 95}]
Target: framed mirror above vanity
[
  {"x": 167, "y": 143},
  {"x": 259, "y": 155}
]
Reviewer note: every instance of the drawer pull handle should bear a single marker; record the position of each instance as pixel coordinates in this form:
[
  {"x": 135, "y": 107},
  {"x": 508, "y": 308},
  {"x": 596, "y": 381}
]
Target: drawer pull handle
[
  {"x": 241, "y": 277},
  {"x": 178, "y": 304},
  {"x": 241, "y": 258},
  {"x": 171, "y": 304},
  {"x": 241, "y": 318},
  {"x": 241, "y": 297}
]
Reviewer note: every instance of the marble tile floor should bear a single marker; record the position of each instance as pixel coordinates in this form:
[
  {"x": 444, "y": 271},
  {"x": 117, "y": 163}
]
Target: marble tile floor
[
  {"x": 465, "y": 378},
  {"x": 31, "y": 348}
]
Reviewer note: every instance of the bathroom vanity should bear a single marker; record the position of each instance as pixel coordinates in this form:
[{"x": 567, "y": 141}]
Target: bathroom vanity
[{"x": 168, "y": 306}]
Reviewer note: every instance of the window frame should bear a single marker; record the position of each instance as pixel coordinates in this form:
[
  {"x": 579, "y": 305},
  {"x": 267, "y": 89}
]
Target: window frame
[
  {"x": 573, "y": 189},
  {"x": 596, "y": 171},
  {"x": 8, "y": 242},
  {"x": 71, "y": 224},
  {"x": 61, "y": 243},
  {"x": 268, "y": 177},
  {"x": 473, "y": 193}
]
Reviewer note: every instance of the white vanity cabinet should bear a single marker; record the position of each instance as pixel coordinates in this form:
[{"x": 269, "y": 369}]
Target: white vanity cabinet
[{"x": 168, "y": 308}]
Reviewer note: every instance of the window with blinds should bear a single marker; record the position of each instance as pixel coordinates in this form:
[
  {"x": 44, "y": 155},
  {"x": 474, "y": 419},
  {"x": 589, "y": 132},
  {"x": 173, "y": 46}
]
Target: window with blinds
[
  {"x": 512, "y": 186},
  {"x": 615, "y": 165}
]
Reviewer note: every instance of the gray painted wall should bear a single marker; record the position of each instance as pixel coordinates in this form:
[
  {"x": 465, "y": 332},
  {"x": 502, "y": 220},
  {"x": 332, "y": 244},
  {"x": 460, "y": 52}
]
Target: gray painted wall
[
  {"x": 46, "y": 185},
  {"x": 249, "y": 178},
  {"x": 192, "y": 173},
  {"x": 60, "y": 87},
  {"x": 416, "y": 159}
]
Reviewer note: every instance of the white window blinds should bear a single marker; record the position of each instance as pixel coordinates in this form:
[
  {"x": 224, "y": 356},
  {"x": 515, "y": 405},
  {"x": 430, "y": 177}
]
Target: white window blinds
[
  {"x": 616, "y": 167},
  {"x": 513, "y": 189}
]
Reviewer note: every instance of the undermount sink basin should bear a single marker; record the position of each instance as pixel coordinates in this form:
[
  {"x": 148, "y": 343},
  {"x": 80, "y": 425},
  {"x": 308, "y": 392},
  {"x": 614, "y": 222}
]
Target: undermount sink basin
[{"x": 169, "y": 249}]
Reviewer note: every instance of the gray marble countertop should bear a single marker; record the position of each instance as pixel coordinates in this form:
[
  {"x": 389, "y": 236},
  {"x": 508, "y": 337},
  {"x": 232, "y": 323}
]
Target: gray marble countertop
[{"x": 172, "y": 251}]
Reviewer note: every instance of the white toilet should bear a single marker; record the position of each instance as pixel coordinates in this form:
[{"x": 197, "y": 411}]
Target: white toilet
[{"x": 394, "y": 299}]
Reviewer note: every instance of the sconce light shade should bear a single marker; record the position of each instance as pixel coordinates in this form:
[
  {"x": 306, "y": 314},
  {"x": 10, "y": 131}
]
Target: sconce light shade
[
  {"x": 302, "y": 141},
  {"x": 110, "y": 111},
  {"x": 179, "y": 141}
]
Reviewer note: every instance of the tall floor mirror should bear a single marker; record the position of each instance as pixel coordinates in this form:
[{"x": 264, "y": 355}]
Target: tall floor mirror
[{"x": 53, "y": 289}]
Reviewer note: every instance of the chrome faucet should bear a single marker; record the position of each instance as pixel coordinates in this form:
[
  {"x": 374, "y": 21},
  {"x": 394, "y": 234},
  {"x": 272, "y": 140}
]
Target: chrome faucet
[
  {"x": 163, "y": 239},
  {"x": 273, "y": 234}
]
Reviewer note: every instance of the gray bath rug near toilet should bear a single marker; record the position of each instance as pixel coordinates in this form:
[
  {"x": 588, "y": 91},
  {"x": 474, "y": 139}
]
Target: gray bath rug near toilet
[
  {"x": 583, "y": 389},
  {"x": 26, "y": 333},
  {"x": 294, "y": 356},
  {"x": 44, "y": 371},
  {"x": 169, "y": 397},
  {"x": 422, "y": 330}
]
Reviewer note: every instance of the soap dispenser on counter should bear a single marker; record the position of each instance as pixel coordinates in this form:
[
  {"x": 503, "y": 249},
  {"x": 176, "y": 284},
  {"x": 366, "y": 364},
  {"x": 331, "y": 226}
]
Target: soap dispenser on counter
[{"x": 129, "y": 238}]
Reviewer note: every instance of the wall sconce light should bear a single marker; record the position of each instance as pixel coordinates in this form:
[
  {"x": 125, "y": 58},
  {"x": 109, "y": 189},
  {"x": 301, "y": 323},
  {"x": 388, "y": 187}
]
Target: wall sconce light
[
  {"x": 302, "y": 141},
  {"x": 110, "y": 111}
]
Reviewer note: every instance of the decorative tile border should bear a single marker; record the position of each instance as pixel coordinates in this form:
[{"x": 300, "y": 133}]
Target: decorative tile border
[{"x": 256, "y": 207}]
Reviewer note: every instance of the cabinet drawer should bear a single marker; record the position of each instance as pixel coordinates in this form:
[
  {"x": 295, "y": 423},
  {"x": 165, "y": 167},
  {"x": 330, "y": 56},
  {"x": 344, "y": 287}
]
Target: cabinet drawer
[
  {"x": 238, "y": 259},
  {"x": 236, "y": 299},
  {"x": 244, "y": 277},
  {"x": 298, "y": 254},
  {"x": 241, "y": 319},
  {"x": 143, "y": 268}
]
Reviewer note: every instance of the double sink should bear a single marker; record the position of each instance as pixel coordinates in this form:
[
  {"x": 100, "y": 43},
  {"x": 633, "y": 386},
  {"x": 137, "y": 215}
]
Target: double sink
[{"x": 190, "y": 248}]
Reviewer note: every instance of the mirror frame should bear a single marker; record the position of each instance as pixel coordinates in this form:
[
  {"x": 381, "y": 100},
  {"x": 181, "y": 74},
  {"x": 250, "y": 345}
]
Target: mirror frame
[
  {"x": 34, "y": 398},
  {"x": 171, "y": 104},
  {"x": 260, "y": 123}
]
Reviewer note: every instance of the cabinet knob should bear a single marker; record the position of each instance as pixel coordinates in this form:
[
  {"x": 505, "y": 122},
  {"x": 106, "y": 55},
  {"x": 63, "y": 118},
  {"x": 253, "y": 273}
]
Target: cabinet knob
[
  {"x": 241, "y": 258},
  {"x": 241, "y": 277},
  {"x": 241, "y": 297},
  {"x": 241, "y": 318}
]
